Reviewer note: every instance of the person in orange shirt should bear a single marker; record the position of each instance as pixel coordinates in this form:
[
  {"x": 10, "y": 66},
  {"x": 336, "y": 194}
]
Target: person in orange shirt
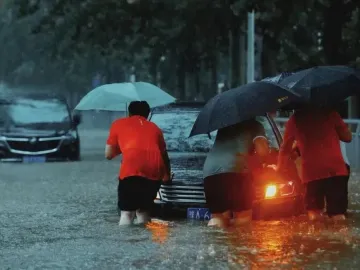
[
  {"x": 323, "y": 171},
  {"x": 145, "y": 162}
]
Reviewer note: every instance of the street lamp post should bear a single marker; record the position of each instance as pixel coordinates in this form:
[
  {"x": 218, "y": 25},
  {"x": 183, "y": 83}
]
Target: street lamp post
[{"x": 251, "y": 47}]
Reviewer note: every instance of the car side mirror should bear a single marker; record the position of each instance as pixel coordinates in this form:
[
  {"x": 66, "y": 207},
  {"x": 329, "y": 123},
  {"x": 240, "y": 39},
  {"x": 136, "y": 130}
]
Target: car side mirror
[{"x": 76, "y": 120}]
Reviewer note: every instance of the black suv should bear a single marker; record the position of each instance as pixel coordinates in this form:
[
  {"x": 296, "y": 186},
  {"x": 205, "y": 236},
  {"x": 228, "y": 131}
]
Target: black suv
[
  {"x": 37, "y": 127},
  {"x": 274, "y": 195}
]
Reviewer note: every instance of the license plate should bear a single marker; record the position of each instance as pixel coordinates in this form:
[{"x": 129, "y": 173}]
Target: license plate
[
  {"x": 198, "y": 213},
  {"x": 34, "y": 159}
]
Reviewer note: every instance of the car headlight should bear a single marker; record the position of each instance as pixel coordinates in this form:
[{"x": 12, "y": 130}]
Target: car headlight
[
  {"x": 2, "y": 138},
  {"x": 279, "y": 190},
  {"x": 158, "y": 196}
]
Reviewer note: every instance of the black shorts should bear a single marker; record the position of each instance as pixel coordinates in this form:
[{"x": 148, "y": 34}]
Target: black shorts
[
  {"x": 137, "y": 193},
  {"x": 332, "y": 190},
  {"x": 228, "y": 191}
]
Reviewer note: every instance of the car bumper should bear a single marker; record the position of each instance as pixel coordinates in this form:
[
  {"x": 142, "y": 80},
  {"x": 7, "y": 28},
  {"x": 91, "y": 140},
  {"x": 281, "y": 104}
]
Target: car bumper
[
  {"x": 61, "y": 153},
  {"x": 278, "y": 207},
  {"x": 264, "y": 209}
]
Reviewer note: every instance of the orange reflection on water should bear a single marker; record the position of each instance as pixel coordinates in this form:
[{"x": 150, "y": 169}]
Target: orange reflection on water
[
  {"x": 294, "y": 245},
  {"x": 266, "y": 243},
  {"x": 159, "y": 231}
]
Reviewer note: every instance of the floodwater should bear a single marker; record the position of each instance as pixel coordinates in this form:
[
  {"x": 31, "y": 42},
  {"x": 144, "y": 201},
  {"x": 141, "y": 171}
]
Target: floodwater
[{"x": 63, "y": 216}]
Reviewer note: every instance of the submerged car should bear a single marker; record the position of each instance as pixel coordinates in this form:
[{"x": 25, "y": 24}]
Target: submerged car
[
  {"x": 274, "y": 195},
  {"x": 38, "y": 128}
]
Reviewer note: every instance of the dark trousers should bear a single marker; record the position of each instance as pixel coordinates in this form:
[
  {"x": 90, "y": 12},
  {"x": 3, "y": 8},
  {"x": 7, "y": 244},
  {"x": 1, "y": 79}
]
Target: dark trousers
[{"x": 137, "y": 193}]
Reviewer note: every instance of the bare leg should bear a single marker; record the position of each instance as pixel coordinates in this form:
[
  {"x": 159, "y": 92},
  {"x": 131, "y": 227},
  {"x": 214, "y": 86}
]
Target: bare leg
[
  {"x": 243, "y": 217},
  {"x": 220, "y": 220},
  {"x": 315, "y": 215},
  {"x": 338, "y": 218},
  {"x": 142, "y": 217},
  {"x": 126, "y": 218}
]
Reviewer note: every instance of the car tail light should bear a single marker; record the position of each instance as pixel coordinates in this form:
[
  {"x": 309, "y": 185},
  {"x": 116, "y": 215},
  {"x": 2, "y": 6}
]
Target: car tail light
[
  {"x": 270, "y": 191},
  {"x": 279, "y": 190}
]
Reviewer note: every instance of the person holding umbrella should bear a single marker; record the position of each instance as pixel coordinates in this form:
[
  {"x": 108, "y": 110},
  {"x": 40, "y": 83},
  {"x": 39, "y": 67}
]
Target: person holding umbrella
[
  {"x": 145, "y": 162},
  {"x": 227, "y": 172},
  {"x": 317, "y": 132}
]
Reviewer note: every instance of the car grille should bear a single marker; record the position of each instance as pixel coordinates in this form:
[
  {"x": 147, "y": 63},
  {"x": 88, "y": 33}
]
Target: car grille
[
  {"x": 33, "y": 147},
  {"x": 194, "y": 194},
  {"x": 182, "y": 194}
]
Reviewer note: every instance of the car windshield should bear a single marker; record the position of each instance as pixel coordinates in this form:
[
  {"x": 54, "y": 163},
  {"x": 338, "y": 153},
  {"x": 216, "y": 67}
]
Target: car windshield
[
  {"x": 176, "y": 126},
  {"x": 39, "y": 114}
]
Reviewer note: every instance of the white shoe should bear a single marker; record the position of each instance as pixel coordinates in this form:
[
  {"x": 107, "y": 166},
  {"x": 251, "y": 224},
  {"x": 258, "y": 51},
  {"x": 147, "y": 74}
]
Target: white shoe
[
  {"x": 219, "y": 221},
  {"x": 142, "y": 217},
  {"x": 126, "y": 218}
]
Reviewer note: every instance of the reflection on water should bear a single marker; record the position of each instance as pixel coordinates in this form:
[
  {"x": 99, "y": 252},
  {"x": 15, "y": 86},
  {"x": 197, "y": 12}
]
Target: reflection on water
[
  {"x": 291, "y": 243},
  {"x": 73, "y": 227},
  {"x": 159, "y": 231}
]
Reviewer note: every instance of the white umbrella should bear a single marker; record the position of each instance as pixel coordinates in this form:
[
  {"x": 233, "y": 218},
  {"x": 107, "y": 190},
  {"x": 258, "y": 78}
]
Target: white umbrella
[{"x": 116, "y": 96}]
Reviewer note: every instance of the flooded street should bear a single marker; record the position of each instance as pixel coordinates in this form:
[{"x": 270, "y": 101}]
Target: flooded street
[{"x": 63, "y": 216}]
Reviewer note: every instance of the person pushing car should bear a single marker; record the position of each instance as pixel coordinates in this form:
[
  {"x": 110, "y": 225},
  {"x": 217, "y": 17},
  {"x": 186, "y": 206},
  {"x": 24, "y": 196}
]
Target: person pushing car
[{"x": 145, "y": 162}]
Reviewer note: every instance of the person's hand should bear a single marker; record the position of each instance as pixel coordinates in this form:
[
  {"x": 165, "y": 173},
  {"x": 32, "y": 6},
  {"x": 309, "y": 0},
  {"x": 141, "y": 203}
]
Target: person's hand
[{"x": 168, "y": 177}]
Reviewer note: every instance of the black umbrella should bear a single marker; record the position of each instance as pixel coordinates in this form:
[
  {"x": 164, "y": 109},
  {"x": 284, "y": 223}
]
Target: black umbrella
[
  {"x": 324, "y": 85},
  {"x": 242, "y": 103},
  {"x": 278, "y": 78}
]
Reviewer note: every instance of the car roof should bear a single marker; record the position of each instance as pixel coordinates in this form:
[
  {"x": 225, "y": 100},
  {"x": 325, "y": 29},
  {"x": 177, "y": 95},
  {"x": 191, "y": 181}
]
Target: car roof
[{"x": 195, "y": 106}]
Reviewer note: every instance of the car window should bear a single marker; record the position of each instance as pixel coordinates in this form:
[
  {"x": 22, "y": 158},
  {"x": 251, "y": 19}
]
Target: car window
[
  {"x": 177, "y": 125},
  {"x": 270, "y": 134},
  {"x": 24, "y": 112}
]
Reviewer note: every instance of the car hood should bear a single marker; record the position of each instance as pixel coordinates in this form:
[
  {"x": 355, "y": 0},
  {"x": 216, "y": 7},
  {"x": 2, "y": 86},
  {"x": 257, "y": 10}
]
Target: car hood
[{"x": 187, "y": 168}]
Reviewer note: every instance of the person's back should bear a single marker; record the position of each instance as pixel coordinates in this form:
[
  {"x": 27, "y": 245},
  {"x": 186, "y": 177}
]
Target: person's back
[
  {"x": 317, "y": 133},
  {"x": 145, "y": 162},
  {"x": 139, "y": 141},
  {"x": 231, "y": 148},
  {"x": 318, "y": 142}
]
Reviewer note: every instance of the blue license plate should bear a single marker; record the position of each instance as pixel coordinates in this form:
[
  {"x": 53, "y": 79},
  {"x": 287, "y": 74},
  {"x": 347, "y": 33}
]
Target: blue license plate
[
  {"x": 34, "y": 159},
  {"x": 198, "y": 213}
]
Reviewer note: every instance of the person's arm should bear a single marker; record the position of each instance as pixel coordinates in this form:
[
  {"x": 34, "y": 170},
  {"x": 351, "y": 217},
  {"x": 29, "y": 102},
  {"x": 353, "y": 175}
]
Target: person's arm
[
  {"x": 261, "y": 143},
  {"x": 165, "y": 156},
  {"x": 287, "y": 145},
  {"x": 342, "y": 129},
  {"x": 112, "y": 148}
]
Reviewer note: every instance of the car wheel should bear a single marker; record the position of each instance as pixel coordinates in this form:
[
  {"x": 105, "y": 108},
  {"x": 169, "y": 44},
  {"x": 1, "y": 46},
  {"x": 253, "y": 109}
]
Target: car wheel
[{"x": 75, "y": 156}]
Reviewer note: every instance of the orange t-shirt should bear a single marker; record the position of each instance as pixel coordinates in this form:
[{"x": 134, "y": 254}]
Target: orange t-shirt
[
  {"x": 317, "y": 139},
  {"x": 142, "y": 146}
]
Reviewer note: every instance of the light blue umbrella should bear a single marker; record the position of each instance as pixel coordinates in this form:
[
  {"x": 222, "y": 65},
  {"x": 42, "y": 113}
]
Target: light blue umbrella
[{"x": 117, "y": 96}]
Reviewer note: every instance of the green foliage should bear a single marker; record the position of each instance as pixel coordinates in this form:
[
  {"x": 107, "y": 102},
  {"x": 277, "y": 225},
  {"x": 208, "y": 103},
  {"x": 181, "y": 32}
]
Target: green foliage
[{"x": 84, "y": 33}]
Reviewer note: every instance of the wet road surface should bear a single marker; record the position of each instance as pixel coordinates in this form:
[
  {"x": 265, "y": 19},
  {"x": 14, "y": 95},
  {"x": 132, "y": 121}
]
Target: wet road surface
[{"x": 63, "y": 216}]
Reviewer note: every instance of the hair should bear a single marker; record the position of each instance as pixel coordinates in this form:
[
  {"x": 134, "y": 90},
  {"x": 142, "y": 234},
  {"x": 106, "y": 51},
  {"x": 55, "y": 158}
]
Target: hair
[{"x": 141, "y": 108}]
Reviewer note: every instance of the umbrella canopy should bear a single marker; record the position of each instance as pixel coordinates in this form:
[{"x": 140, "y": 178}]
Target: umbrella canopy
[
  {"x": 324, "y": 85},
  {"x": 116, "y": 96},
  {"x": 278, "y": 78},
  {"x": 242, "y": 103}
]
